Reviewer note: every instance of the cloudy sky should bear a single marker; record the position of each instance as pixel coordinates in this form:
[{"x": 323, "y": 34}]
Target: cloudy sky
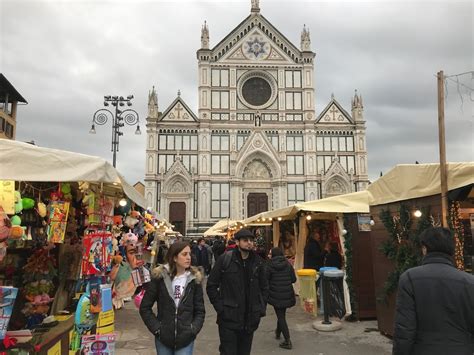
[{"x": 64, "y": 56}]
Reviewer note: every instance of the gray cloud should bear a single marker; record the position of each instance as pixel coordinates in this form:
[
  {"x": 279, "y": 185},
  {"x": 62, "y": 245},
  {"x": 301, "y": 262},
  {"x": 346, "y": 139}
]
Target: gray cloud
[{"x": 64, "y": 56}]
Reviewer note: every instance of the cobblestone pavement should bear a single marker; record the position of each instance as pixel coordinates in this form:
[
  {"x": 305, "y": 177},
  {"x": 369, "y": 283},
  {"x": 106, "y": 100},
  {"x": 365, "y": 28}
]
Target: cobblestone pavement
[{"x": 353, "y": 339}]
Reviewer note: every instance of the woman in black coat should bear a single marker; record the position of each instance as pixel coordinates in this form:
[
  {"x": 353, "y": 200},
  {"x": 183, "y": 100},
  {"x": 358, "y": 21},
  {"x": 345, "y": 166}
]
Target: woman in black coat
[
  {"x": 281, "y": 276},
  {"x": 177, "y": 289}
]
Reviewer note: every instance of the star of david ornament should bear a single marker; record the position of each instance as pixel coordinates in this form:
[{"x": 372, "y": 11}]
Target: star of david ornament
[{"x": 256, "y": 47}]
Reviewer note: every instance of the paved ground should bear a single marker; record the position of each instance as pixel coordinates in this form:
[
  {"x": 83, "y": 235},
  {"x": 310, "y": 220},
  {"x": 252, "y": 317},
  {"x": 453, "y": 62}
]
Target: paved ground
[{"x": 354, "y": 338}]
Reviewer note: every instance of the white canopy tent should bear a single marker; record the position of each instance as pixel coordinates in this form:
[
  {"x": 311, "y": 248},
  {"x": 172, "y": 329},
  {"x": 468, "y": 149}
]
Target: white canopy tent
[{"x": 26, "y": 162}]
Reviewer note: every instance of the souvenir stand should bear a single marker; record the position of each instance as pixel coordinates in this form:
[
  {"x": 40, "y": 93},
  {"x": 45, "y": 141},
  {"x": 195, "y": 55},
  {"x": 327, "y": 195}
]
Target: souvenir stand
[
  {"x": 59, "y": 242},
  {"x": 292, "y": 225},
  {"x": 403, "y": 203}
]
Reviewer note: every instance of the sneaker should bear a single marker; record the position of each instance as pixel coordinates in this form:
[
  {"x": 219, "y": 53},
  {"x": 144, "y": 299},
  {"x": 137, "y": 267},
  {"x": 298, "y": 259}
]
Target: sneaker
[{"x": 286, "y": 345}]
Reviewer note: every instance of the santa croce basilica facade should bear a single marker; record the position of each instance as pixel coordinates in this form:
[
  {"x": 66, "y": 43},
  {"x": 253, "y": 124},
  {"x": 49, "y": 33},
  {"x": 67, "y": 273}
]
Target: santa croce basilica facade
[{"x": 256, "y": 142}]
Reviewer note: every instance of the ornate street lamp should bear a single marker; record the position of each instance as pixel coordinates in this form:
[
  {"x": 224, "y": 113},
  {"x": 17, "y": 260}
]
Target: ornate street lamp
[{"x": 128, "y": 116}]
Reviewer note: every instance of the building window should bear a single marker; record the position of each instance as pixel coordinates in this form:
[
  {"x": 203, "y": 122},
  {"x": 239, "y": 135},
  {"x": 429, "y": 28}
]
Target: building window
[
  {"x": 333, "y": 144},
  {"x": 164, "y": 162},
  {"x": 274, "y": 140},
  {"x": 177, "y": 142},
  {"x": 220, "y": 77},
  {"x": 295, "y": 165},
  {"x": 220, "y": 142},
  {"x": 220, "y": 164},
  {"x": 220, "y": 99},
  {"x": 190, "y": 162},
  {"x": 220, "y": 116},
  {"x": 241, "y": 138},
  {"x": 295, "y": 193},
  {"x": 294, "y": 117},
  {"x": 294, "y": 143},
  {"x": 195, "y": 200},
  {"x": 293, "y": 78},
  {"x": 2, "y": 124},
  {"x": 220, "y": 198},
  {"x": 346, "y": 161},
  {"x": 293, "y": 100}
]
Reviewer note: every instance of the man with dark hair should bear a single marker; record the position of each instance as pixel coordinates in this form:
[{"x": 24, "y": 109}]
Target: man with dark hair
[
  {"x": 435, "y": 302},
  {"x": 238, "y": 290},
  {"x": 218, "y": 247},
  {"x": 202, "y": 255}
]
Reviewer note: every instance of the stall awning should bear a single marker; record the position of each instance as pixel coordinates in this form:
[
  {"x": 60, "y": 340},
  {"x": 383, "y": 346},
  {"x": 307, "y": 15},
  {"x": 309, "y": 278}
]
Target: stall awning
[
  {"x": 26, "y": 162},
  {"x": 220, "y": 227},
  {"x": 408, "y": 181},
  {"x": 356, "y": 202}
]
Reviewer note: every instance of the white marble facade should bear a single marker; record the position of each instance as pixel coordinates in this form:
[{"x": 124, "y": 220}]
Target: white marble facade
[{"x": 256, "y": 132}]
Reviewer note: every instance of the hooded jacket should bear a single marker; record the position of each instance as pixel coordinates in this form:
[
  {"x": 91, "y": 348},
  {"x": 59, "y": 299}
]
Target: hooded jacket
[
  {"x": 176, "y": 327},
  {"x": 435, "y": 309},
  {"x": 281, "y": 276}
]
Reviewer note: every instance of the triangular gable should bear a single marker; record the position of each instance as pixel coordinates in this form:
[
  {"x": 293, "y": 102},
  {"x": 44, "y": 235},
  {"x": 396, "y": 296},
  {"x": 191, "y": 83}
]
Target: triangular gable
[
  {"x": 336, "y": 169},
  {"x": 236, "y": 38},
  {"x": 177, "y": 168},
  {"x": 256, "y": 46},
  {"x": 178, "y": 111},
  {"x": 334, "y": 113},
  {"x": 257, "y": 140}
]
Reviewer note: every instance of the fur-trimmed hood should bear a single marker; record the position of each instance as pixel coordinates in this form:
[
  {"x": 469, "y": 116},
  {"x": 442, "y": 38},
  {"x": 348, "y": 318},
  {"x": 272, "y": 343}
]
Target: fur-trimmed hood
[{"x": 162, "y": 270}]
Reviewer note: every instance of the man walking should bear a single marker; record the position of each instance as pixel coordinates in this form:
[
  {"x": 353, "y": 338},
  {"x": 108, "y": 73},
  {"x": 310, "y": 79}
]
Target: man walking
[
  {"x": 202, "y": 255},
  {"x": 238, "y": 290},
  {"x": 435, "y": 302}
]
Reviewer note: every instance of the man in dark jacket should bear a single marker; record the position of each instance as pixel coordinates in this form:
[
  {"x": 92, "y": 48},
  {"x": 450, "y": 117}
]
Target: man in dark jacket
[
  {"x": 238, "y": 290},
  {"x": 313, "y": 253},
  {"x": 435, "y": 302},
  {"x": 202, "y": 255}
]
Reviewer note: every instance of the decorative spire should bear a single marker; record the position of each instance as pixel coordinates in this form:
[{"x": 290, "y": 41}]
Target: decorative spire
[
  {"x": 152, "y": 103},
  {"x": 332, "y": 96},
  {"x": 205, "y": 36},
  {"x": 305, "y": 40},
  {"x": 255, "y": 6},
  {"x": 179, "y": 93},
  {"x": 357, "y": 101}
]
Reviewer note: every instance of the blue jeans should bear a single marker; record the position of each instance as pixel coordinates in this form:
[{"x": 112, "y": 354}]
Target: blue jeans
[{"x": 164, "y": 350}]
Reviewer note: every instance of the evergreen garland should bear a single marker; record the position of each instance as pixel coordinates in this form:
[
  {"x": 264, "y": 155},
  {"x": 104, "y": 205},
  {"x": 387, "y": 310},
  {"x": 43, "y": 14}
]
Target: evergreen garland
[
  {"x": 403, "y": 245},
  {"x": 348, "y": 265}
]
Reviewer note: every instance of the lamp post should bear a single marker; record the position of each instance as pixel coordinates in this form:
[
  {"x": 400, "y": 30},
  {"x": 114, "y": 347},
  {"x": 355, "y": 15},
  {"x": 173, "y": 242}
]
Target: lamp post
[{"x": 119, "y": 118}]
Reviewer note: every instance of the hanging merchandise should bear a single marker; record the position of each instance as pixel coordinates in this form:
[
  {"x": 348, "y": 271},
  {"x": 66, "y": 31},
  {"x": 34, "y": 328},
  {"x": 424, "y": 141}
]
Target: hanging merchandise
[
  {"x": 7, "y": 301},
  {"x": 98, "y": 248},
  {"x": 7, "y": 196},
  {"x": 58, "y": 213}
]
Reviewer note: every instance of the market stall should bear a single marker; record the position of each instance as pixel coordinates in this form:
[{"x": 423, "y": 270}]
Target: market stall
[
  {"x": 72, "y": 232},
  {"x": 404, "y": 202},
  {"x": 333, "y": 218}
]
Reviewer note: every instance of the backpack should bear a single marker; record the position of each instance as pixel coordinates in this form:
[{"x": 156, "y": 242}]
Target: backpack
[{"x": 227, "y": 259}]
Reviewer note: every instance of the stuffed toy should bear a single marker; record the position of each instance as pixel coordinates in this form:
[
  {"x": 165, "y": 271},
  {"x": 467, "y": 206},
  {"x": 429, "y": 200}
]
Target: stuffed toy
[
  {"x": 130, "y": 221},
  {"x": 5, "y": 225},
  {"x": 18, "y": 202},
  {"x": 28, "y": 203},
  {"x": 117, "y": 259},
  {"x": 66, "y": 191},
  {"x": 41, "y": 209}
]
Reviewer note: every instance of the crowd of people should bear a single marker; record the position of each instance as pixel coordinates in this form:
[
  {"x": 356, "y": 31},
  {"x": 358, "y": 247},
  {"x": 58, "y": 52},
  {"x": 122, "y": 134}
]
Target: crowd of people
[{"x": 241, "y": 283}]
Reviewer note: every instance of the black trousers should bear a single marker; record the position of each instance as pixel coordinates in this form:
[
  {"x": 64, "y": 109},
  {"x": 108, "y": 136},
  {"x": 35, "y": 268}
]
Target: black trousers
[
  {"x": 282, "y": 326},
  {"x": 234, "y": 342}
]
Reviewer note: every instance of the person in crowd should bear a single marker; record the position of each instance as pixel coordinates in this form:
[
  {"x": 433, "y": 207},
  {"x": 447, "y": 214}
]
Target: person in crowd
[
  {"x": 237, "y": 288},
  {"x": 202, "y": 255},
  {"x": 313, "y": 253},
  {"x": 209, "y": 256},
  {"x": 281, "y": 276},
  {"x": 218, "y": 247},
  {"x": 332, "y": 256},
  {"x": 177, "y": 289},
  {"x": 231, "y": 245},
  {"x": 288, "y": 246},
  {"x": 435, "y": 302}
]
